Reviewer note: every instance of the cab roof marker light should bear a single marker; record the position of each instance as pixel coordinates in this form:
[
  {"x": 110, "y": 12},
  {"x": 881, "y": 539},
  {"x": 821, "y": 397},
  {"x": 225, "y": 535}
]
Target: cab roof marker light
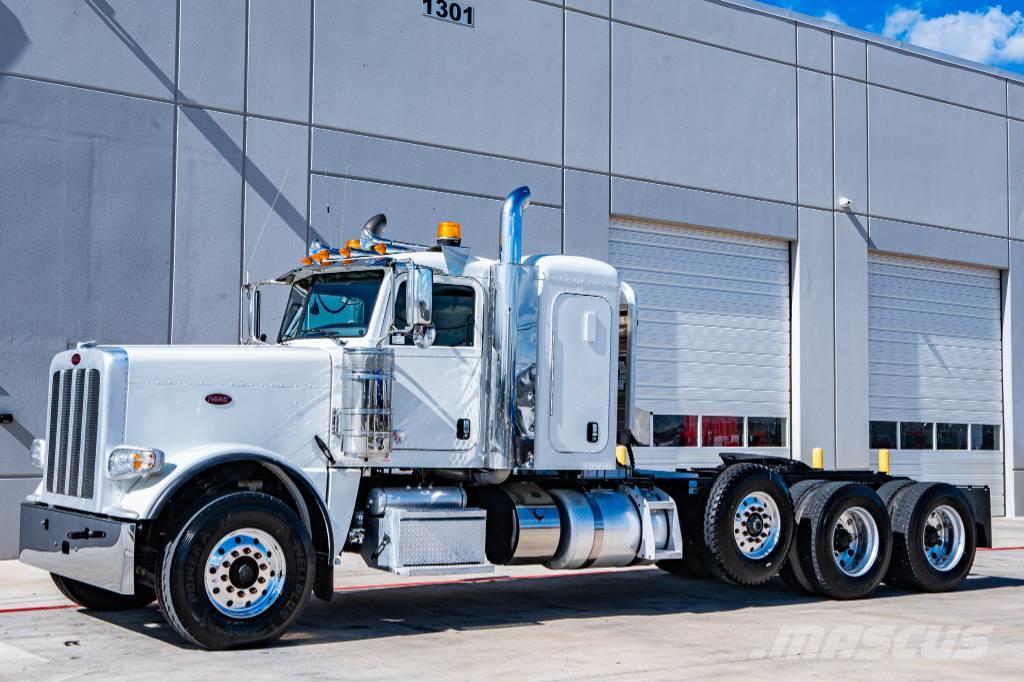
[{"x": 449, "y": 233}]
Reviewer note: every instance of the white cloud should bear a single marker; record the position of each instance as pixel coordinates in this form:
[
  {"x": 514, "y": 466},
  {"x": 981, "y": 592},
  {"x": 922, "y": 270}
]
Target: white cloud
[
  {"x": 989, "y": 36},
  {"x": 833, "y": 17}
]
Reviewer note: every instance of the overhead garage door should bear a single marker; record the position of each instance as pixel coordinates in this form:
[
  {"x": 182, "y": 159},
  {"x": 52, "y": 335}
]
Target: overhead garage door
[
  {"x": 935, "y": 351},
  {"x": 713, "y": 360}
]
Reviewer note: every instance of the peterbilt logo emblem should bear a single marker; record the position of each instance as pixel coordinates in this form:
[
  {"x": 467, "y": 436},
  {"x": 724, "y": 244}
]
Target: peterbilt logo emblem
[{"x": 218, "y": 399}]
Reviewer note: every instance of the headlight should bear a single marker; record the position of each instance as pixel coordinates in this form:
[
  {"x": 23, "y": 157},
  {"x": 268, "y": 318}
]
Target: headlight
[
  {"x": 128, "y": 462},
  {"x": 38, "y": 452}
]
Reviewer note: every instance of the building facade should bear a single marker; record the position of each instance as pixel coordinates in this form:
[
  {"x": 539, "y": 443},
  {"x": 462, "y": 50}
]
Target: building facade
[{"x": 822, "y": 226}]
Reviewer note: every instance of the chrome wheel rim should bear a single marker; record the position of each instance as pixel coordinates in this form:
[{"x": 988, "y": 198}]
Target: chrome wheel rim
[
  {"x": 757, "y": 525},
  {"x": 855, "y": 542},
  {"x": 245, "y": 573},
  {"x": 944, "y": 538}
]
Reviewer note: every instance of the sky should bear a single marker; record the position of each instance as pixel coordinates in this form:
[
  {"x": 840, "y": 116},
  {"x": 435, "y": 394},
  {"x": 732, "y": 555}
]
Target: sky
[{"x": 983, "y": 32}]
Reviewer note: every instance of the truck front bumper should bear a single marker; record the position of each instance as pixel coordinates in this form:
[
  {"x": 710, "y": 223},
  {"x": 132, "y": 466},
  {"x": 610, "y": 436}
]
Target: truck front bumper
[{"x": 83, "y": 547}]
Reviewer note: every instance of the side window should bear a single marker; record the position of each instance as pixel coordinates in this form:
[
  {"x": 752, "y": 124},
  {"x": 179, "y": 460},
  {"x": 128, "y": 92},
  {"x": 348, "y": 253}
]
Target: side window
[{"x": 454, "y": 315}]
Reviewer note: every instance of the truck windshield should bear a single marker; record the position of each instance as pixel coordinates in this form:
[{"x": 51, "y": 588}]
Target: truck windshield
[{"x": 337, "y": 305}]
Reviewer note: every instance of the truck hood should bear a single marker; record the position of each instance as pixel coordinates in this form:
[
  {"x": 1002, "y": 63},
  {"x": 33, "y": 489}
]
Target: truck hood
[{"x": 273, "y": 397}]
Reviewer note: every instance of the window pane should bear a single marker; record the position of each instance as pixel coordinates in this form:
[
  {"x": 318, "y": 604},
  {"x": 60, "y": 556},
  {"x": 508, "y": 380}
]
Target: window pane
[
  {"x": 454, "y": 311},
  {"x": 984, "y": 437},
  {"x": 883, "y": 435},
  {"x": 722, "y": 432},
  {"x": 951, "y": 436},
  {"x": 673, "y": 431},
  {"x": 916, "y": 435},
  {"x": 766, "y": 432}
]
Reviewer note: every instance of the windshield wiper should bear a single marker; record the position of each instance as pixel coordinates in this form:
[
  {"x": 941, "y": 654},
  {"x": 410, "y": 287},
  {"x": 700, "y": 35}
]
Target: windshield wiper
[{"x": 311, "y": 333}]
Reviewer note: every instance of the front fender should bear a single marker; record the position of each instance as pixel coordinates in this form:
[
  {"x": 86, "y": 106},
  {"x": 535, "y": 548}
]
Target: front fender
[{"x": 147, "y": 497}]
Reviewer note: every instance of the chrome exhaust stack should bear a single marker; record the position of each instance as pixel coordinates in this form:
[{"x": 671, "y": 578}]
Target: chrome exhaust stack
[
  {"x": 513, "y": 354},
  {"x": 510, "y": 240}
]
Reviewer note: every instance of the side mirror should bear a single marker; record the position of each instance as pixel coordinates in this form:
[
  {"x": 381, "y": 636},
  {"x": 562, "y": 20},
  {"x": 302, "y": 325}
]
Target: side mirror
[
  {"x": 252, "y": 307},
  {"x": 419, "y": 306},
  {"x": 255, "y": 310},
  {"x": 419, "y": 297}
]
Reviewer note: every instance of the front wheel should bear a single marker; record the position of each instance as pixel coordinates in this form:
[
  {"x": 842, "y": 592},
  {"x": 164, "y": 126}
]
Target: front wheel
[
  {"x": 239, "y": 573},
  {"x": 98, "y": 599}
]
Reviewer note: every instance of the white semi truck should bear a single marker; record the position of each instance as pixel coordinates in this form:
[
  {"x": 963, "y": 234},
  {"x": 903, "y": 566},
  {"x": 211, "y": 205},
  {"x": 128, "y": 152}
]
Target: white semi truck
[{"x": 437, "y": 413}]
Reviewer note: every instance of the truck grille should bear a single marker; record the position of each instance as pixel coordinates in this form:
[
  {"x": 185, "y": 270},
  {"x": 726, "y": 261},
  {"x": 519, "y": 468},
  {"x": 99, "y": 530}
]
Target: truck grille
[{"x": 71, "y": 456}]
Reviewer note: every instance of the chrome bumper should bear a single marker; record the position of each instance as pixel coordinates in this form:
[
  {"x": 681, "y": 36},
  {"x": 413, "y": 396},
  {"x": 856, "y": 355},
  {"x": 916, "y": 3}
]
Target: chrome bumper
[{"x": 82, "y": 547}]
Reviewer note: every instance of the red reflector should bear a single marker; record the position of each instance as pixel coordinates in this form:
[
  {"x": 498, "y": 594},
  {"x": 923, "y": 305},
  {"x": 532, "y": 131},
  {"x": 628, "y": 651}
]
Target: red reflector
[{"x": 75, "y": 359}]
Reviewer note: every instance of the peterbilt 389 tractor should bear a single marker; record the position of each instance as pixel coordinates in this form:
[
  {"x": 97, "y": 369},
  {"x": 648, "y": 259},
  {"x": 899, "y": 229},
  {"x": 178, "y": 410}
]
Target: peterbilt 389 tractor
[{"x": 437, "y": 413}]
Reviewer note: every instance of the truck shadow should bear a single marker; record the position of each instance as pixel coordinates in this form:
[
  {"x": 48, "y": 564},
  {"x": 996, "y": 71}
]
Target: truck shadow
[{"x": 517, "y": 603}]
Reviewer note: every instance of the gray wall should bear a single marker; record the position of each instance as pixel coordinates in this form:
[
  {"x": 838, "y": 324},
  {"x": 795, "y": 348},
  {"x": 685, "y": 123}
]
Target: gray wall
[{"x": 153, "y": 154}]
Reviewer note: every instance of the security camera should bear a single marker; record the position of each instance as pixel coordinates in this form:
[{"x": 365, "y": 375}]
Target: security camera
[{"x": 845, "y": 203}]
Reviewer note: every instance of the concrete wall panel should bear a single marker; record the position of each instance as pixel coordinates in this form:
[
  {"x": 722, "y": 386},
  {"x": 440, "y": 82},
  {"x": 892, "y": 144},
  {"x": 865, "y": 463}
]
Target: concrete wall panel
[
  {"x": 923, "y": 76},
  {"x": 851, "y": 344},
  {"x": 496, "y": 88},
  {"x": 849, "y": 57},
  {"x": 1015, "y": 142},
  {"x": 850, "y": 146},
  {"x": 585, "y": 214},
  {"x": 366, "y": 158},
  {"x": 275, "y": 233},
  {"x": 650, "y": 201},
  {"x": 733, "y": 27},
  {"x": 85, "y": 195},
  {"x": 118, "y": 45},
  {"x": 211, "y": 55},
  {"x": 413, "y": 214},
  {"x": 699, "y": 116},
  {"x": 601, "y": 7},
  {"x": 814, "y": 48},
  {"x": 814, "y": 133},
  {"x": 279, "y": 58},
  {"x": 934, "y": 242},
  {"x": 936, "y": 163},
  {"x": 587, "y": 92},
  {"x": 1015, "y": 99},
  {"x": 371, "y": 158},
  {"x": 12, "y": 492},
  {"x": 207, "y": 227},
  {"x": 813, "y": 336}
]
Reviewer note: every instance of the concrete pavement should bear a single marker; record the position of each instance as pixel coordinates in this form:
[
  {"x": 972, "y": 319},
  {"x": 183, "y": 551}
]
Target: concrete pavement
[{"x": 530, "y": 623}]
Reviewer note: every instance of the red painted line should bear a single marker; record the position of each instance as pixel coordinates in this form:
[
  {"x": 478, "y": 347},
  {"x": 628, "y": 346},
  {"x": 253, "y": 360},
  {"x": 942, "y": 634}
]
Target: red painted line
[
  {"x": 51, "y": 607},
  {"x": 478, "y": 581},
  {"x": 1000, "y": 549}
]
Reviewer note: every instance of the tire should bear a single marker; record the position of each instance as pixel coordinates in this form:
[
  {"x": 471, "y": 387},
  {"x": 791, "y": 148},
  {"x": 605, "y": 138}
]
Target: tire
[
  {"x": 848, "y": 516},
  {"x": 748, "y": 524},
  {"x": 271, "y": 541},
  {"x": 98, "y": 599},
  {"x": 890, "y": 491},
  {"x": 911, "y": 567},
  {"x": 792, "y": 572}
]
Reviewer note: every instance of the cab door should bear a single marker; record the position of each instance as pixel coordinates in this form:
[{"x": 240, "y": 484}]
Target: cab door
[{"x": 437, "y": 390}]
